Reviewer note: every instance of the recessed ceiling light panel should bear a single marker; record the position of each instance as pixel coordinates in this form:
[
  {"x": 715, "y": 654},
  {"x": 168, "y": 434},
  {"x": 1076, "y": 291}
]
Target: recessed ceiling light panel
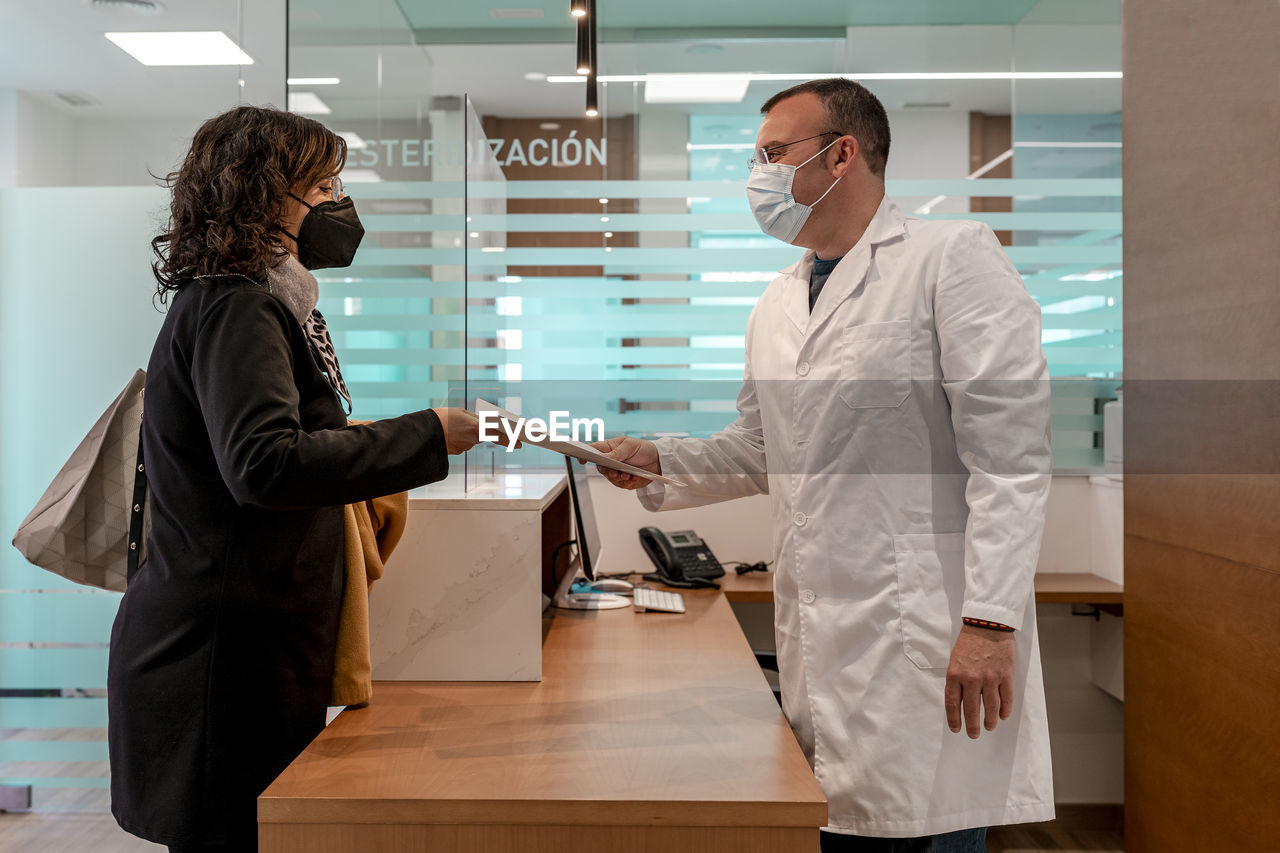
[
  {"x": 181, "y": 48},
  {"x": 694, "y": 89}
]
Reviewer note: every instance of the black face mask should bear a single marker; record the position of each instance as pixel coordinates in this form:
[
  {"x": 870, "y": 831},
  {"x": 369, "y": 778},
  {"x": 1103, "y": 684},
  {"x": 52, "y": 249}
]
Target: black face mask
[{"x": 329, "y": 235}]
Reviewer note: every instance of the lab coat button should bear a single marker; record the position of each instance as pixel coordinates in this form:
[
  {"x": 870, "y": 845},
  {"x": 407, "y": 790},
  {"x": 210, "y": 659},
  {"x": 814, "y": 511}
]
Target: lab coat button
[
  {"x": 803, "y": 368},
  {"x": 807, "y": 596},
  {"x": 800, "y": 519}
]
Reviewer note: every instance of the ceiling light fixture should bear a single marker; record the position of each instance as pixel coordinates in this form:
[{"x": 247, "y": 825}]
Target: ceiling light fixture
[
  {"x": 584, "y": 42},
  {"x": 593, "y": 59},
  {"x": 578, "y": 8},
  {"x": 313, "y": 81},
  {"x": 181, "y": 48}
]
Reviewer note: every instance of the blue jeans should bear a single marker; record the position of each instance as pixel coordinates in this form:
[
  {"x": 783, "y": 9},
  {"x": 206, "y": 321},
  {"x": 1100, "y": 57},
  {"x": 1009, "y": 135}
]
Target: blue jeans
[{"x": 961, "y": 841}]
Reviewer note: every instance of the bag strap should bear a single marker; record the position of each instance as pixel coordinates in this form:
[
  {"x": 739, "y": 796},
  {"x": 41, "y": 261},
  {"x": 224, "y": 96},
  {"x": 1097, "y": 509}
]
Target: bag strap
[{"x": 138, "y": 507}]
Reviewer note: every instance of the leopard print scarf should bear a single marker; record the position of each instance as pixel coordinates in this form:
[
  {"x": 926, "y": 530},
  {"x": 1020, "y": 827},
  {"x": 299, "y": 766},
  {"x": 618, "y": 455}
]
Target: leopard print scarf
[{"x": 298, "y": 289}]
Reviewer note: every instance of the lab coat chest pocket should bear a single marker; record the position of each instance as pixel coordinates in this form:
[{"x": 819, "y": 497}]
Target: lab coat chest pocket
[
  {"x": 875, "y": 365},
  {"x": 930, "y": 595}
]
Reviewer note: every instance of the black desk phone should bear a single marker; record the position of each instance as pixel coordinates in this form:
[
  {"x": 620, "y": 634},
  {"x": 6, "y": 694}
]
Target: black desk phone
[{"x": 682, "y": 558}]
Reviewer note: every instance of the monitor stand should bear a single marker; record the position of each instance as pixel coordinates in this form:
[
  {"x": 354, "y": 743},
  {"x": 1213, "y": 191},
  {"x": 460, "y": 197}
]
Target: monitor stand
[
  {"x": 566, "y": 599},
  {"x": 592, "y": 601}
]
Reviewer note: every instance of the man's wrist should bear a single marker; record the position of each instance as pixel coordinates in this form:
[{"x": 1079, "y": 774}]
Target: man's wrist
[{"x": 986, "y": 624}]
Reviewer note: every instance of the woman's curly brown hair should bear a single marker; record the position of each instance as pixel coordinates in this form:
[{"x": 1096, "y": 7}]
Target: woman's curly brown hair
[{"x": 229, "y": 194}]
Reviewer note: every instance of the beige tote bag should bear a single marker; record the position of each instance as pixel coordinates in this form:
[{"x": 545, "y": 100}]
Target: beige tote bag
[{"x": 91, "y": 523}]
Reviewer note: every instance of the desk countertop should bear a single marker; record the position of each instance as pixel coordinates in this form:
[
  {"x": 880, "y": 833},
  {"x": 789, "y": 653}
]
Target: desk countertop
[
  {"x": 1051, "y": 587},
  {"x": 640, "y": 719},
  {"x": 521, "y": 491}
]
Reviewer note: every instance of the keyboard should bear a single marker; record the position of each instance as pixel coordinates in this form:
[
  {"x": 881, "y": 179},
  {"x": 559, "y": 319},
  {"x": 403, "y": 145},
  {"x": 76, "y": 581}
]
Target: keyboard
[{"x": 645, "y": 598}]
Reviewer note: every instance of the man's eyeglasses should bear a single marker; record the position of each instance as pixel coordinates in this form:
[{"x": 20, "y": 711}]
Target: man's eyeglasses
[{"x": 763, "y": 154}]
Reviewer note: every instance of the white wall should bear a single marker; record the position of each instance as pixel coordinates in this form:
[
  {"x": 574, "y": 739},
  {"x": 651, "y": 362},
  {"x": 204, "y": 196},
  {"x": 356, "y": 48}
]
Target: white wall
[
  {"x": 663, "y": 157},
  {"x": 78, "y": 319},
  {"x": 1106, "y": 528},
  {"x": 52, "y": 147},
  {"x": 1086, "y": 724},
  {"x": 122, "y": 152},
  {"x": 928, "y": 144},
  {"x": 44, "y": 144},
  {"x": 8, "y": 137},
  {"x": 1075, "y": 521}
]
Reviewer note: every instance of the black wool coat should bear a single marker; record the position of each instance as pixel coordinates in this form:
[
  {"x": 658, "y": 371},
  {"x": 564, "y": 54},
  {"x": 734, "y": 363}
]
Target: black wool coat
[{"x": 222, "y": 651}]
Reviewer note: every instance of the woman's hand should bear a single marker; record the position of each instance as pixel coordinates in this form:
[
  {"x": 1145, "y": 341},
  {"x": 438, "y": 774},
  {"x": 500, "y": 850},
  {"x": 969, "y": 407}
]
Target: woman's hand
[{"x": 461, "y": 430}]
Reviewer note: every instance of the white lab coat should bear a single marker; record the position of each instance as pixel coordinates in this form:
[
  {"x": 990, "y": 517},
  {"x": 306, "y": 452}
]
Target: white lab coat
[{"x": 899, "y": 505}]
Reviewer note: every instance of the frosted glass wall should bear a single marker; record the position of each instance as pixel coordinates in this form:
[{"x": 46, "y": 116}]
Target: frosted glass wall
[{"x": 76, "y": 320}]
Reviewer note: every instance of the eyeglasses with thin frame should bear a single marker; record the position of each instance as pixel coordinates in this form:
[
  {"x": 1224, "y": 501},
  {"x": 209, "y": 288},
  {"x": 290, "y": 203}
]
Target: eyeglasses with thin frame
[
  {"x": 762, "y": 154},
  {"x": 335, "y": 188}
]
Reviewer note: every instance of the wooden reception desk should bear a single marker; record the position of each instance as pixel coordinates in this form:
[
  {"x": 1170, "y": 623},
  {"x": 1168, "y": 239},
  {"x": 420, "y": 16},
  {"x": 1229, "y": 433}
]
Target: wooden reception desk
[
  {"x": 649, "y": 731},
  {"x": 1050, "y": 587}
]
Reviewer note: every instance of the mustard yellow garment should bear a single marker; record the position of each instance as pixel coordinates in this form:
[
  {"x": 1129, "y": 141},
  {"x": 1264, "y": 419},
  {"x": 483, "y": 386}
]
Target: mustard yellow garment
[{"x": 372, "y": 529}]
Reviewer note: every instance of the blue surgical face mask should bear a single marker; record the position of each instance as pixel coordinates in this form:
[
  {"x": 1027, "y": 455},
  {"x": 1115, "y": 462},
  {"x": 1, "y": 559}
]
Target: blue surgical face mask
[{"x": 775, "y": 208}]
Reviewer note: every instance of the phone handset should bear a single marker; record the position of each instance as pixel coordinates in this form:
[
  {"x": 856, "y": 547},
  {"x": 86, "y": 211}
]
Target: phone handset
[{"x": 682, "y": 559}]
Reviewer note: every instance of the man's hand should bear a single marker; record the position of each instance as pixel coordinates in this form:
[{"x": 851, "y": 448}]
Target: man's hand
[
  {"x": 980, "y": 674},
  {"x": 633, "y": 451}
]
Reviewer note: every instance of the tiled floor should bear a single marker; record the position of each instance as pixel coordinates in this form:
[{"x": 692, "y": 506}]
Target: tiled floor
[
  {"x": 1036, "y": 839},
  {"x": 83, "y": 832}
]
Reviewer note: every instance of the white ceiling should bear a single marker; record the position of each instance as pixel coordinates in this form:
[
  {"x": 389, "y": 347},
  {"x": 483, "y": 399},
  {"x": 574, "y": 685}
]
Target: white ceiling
[
  {"x": 48, "y": 46},
  {"x": 494, "y": 75}
]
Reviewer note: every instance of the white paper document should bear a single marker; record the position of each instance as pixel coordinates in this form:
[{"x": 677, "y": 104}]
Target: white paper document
[{"x": 566, "y": 447}]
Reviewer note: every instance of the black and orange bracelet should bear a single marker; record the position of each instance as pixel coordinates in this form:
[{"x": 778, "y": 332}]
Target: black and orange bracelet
[{"x": 983, "y": 623}]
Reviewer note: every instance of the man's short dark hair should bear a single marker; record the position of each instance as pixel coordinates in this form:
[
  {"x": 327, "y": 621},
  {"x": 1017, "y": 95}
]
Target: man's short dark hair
[{"x": 851, "y": 109}]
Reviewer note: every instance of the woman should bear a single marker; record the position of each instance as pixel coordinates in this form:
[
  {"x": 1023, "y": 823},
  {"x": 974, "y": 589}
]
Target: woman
[{"x": 222, "y": 651}]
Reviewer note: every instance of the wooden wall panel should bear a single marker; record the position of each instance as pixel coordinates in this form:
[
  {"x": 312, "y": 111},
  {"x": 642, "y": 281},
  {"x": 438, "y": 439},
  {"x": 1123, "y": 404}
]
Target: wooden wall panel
[
  {"x": 1201, "y": 706},
  {"x": 1235, "y": 517},
  {"x": 1202, "y": 420},
  {"x": 989, "y": 137},
  {"x": 620, "y": 131}
]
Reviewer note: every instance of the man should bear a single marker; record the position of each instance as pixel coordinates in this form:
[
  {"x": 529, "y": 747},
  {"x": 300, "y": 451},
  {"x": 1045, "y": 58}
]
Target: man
[{"x": 895, "y": 407}]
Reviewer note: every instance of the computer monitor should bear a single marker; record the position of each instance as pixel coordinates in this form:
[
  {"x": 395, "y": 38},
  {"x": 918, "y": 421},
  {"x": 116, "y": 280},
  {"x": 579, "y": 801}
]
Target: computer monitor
[
  {"x": 589, "y": 547},
  {"x": 584, "y": 518}
]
